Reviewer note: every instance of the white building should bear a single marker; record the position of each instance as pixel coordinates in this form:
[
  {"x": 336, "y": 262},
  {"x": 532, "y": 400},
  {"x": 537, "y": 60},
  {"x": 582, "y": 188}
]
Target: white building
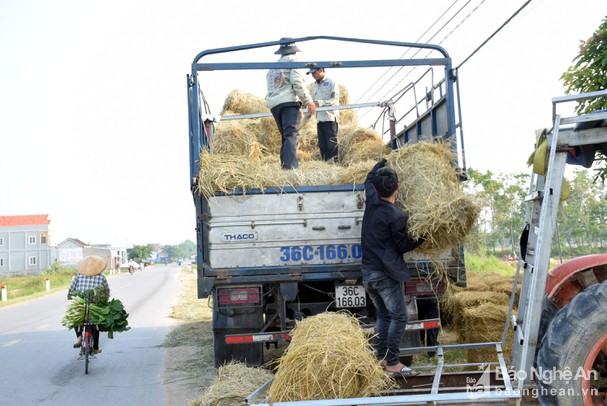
[{"x": 24, "y": 244}]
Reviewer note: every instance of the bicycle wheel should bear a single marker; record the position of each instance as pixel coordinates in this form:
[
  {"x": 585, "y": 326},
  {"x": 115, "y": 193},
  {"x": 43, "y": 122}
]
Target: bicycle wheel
[{"x": 88, "y": 347}]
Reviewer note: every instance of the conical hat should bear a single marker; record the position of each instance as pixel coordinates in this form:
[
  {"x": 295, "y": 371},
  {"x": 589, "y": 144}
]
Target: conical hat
[{"x": 91, "y": 265}]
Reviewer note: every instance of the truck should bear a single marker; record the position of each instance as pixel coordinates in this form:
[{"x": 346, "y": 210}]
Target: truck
[{"x": 270, "y": 257}]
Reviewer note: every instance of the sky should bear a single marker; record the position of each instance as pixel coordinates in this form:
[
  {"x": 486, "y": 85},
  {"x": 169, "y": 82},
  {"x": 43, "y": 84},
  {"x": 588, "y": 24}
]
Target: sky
[{"x": 93, "y": 96}]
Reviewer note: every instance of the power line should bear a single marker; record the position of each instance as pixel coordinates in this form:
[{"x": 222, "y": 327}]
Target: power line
[
  {"x": 408, "y": 49},
  {"x": 444, "y": 25},
  {"x": 492, "y": 35}
]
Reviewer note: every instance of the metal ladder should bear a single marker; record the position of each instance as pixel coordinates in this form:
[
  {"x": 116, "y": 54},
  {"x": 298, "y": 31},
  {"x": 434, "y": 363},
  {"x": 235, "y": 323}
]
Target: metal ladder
[{"x": 543, "y": 204}]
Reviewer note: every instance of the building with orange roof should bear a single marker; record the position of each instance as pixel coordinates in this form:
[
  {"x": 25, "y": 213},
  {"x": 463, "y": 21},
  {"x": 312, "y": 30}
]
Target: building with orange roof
[{"x": 24, "y": 244}]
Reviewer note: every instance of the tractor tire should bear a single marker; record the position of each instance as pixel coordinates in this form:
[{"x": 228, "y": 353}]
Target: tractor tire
[
  {"x": 574, "y": 346},
  {"x": 549, "y": 311}
]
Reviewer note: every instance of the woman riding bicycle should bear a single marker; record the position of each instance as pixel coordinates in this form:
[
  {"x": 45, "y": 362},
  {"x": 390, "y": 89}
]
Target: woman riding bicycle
[{"x": 89, "y": 277}]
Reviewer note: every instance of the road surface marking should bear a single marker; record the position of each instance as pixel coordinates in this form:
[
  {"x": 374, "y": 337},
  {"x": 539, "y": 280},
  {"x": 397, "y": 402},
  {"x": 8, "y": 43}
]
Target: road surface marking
[{"x": 9, "y": 343}]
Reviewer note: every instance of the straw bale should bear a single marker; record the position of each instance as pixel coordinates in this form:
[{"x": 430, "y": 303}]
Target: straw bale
[
  {"x": 496, "y": 282},
  {"x": 356, "y": 172},
  {"x": 344, "y": 95},
  {"x": 229, "y": 173},
  {"x": 234, "y": 137},
  {"x": 329, "y": 357},
  {"x": 264, "y": 128},
  {"x": 454, "y": 306},
  {"x": 485, "y": 323},
  {"x": 308, "y": 142},
  {"x": 357, "y": 144},
  {"x": 268, "y": 135},
  {"x": 240, "y": 103},
  {"x": 346, "y": 116},
  {"x": 430, "y": 193},
  {"x": 234, "y": 382}
]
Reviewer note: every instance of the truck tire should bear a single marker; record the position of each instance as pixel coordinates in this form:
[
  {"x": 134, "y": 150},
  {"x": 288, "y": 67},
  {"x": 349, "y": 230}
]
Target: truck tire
[{"x": 575, "y": 341}]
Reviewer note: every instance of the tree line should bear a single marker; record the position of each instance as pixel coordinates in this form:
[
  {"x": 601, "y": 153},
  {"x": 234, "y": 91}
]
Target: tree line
[
  {"x": 581, "y": 222},
  {"x": 582, "y": 219},
  {"x": 171, "y": 252}
]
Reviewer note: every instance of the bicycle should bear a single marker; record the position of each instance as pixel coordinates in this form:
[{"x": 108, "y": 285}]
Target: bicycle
[{"x": 87, "y": 350}]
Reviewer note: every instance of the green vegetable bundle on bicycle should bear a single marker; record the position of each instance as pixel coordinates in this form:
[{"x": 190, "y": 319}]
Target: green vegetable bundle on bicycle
[{"x": 90, "y": 287}]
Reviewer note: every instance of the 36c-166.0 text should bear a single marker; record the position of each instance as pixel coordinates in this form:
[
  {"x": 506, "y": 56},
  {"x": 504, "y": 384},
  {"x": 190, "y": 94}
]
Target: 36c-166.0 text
[{"x": 308, "y": 253}]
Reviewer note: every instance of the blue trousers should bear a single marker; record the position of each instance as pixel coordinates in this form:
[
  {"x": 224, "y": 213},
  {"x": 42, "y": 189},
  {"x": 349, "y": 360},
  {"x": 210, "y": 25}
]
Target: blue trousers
[
  {"x": 327, "y": 139},
  {"x": 388, "y": 297},
  {"x": 287, "y": 117}
]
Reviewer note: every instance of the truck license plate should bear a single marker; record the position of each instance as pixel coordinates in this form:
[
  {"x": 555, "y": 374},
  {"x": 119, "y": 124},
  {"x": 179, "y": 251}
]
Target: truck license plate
[{"x": 350, "y": 296}]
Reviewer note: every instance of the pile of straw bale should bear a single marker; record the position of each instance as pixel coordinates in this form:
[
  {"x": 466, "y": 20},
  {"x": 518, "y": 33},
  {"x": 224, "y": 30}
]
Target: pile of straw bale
[
  {"x": 234, "y": 382},
  {"x": 329, "y": 357},
  {"x": 478, "y": 312},
  {"x": 245, "y": 156}
]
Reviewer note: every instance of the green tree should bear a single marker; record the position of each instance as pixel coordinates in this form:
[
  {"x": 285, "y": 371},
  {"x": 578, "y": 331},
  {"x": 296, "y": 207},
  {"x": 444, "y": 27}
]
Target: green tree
[
  {"x": 140, "y": 252},
  {"x": 588, "y": 73},
  {"x": 502, "y": 215},
  {"x": 574, "y": 216},
  {"x": 183, "y": 250},
  {"x": 598, "y": 226}
]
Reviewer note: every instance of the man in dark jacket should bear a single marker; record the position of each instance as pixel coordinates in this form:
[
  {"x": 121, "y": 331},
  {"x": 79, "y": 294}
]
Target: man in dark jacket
[{"x": 384, "y": 241}]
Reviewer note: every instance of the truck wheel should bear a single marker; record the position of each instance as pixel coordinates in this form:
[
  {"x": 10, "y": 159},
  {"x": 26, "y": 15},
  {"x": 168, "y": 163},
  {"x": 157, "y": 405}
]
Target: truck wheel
[{"x": 572, "y": 361}]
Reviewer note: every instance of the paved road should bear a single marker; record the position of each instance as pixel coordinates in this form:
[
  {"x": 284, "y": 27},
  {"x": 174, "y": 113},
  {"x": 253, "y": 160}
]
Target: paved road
[{"x": 39, "y": 365}]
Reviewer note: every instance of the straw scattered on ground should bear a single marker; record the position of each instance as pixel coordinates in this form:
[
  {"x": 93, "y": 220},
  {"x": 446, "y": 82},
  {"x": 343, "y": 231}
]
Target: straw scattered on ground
[{"x": 234, "y": 382}]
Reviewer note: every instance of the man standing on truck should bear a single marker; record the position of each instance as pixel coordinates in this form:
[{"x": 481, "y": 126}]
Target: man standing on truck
[
  {"x": 286, "y": 93},
  {"x": 384, "y": 240},
  {"x": 325, "y": 93}
]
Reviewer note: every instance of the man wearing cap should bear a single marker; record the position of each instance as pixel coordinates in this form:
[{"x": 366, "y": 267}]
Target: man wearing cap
[
  {"x": 89, "y": 276},
  {"x": 325, "y": 93},
  {"x": 384, "y": 240},
  {"x": 286, "y": 93}
]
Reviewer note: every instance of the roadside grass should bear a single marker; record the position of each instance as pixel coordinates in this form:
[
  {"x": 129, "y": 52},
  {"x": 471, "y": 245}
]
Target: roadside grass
[
  {"x": 481, "y": 263},
  {"x": 192, "y": 339},
  {"x": 22, "y": 288},
  {"x": 446, "y": 336}
]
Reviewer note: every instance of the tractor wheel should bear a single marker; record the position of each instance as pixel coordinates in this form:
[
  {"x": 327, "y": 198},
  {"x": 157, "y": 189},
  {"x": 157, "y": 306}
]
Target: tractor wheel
[
  {"x": 572, "y": 361},
  {"x": 549, "y": 310}
]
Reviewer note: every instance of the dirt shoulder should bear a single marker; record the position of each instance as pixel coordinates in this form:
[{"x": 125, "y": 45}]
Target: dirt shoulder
[{"x": 189, "y": 366}]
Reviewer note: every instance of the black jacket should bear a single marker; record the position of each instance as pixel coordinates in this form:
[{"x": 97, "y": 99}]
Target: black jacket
[{"x": 384, "y": 236}]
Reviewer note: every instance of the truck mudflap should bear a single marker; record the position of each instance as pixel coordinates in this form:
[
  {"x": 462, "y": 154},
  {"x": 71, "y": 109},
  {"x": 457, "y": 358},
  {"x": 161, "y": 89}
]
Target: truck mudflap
[{"x": 286, "y": 335}]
